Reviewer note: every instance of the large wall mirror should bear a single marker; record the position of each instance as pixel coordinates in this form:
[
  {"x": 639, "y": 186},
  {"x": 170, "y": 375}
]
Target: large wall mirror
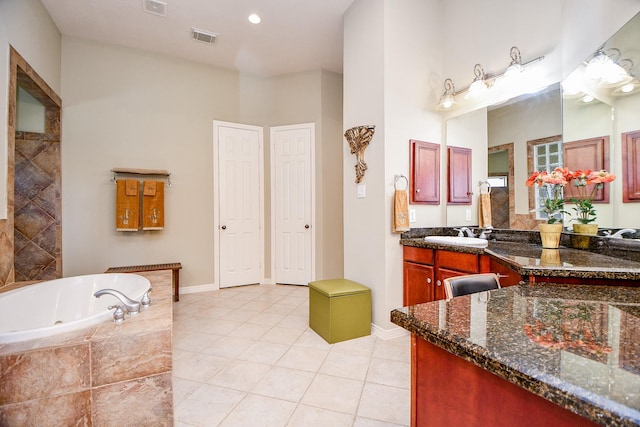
[{"x": 581, "y": 108}]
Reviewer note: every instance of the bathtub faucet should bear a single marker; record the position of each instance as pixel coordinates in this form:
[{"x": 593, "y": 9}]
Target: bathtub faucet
[{"x": 130, "y": 305}]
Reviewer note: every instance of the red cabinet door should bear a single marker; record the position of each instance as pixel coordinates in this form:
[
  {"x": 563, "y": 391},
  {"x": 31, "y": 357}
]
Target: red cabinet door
[
  {"x": 424, "y": 185},
  {"x": 459, "y": 176},
  {"x": 418, "y": 284},
  {"x": 630, "y": 168}
]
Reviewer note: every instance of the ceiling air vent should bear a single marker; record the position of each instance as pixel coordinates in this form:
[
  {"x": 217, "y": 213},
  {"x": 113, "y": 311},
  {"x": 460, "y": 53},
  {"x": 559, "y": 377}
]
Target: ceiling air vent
[
  {"x": 203, "y": 36},
  {"x": 155, "y": 6}
]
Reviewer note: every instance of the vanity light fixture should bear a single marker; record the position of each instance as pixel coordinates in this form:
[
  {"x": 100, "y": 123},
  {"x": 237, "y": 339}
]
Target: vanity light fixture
[
  {"x": 482, "y": 81},
  {"x": 448, "y": 98},
  {"x": 604, "y": 68},
  {"x": 515, "y": 67},
  {"x": 254, "y": 18},
  {"x": 628, "y": 88},
  {"x": 479, "y": 84}
]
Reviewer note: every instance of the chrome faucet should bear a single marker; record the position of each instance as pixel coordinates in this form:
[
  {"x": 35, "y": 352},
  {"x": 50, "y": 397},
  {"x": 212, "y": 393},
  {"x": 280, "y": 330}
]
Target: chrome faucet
[
  {"x": 464, "y": 230},
  {"x": 130, "y": 305},
  {"x": 618, "y": 234}
]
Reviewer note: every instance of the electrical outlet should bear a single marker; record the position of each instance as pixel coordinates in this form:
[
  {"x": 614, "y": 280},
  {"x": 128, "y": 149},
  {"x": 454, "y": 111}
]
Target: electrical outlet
[
  {"x": 412, "y": 215},
  {"x": 467, "y": 215}
]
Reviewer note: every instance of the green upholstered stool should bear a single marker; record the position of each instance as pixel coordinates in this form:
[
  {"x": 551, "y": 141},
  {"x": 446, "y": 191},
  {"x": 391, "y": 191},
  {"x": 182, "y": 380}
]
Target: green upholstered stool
[{"x": 339, "y": 309}]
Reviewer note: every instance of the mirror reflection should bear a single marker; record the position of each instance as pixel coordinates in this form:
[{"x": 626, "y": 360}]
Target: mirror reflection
[{"x": 594, "y": 114}]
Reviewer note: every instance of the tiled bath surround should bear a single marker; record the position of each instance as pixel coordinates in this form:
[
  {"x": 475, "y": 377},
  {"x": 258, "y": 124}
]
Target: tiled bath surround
[{"x": 102, "y": 376}]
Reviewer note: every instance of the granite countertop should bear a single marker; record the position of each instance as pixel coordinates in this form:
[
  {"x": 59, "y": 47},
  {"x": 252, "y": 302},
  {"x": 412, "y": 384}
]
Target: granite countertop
[
  {"x": 575, "y": 345},
  {"x": 528, "y": 258}
]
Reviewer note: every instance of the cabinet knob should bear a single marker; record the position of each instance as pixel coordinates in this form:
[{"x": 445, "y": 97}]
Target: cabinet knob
[
  {"x": 439, "y": 283},
  {"x": 429, "y": 280},
  {"x": 417, "y": 190}
]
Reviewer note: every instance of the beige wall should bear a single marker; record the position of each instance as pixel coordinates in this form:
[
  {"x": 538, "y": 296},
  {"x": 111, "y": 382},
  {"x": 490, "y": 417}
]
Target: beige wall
[
  {"x": 128, "y": 108},
  {"x": 26, "y": 25}
]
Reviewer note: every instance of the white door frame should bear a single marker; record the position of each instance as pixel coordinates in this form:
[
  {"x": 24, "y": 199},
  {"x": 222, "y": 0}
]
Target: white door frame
[
  {"x": 216, "y": 196},
  {"x": 312, "y": 128}
]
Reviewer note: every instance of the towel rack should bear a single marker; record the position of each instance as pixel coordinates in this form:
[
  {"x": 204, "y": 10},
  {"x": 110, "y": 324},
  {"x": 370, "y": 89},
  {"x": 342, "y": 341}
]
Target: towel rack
[
  {"x": 488, "y": 187},
  {"x": 398, "y": 178},
  {"x": 145, "y": 172}
]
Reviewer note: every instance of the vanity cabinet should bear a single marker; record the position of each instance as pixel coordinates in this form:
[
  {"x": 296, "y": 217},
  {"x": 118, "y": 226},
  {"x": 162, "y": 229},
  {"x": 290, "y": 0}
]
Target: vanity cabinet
[
  {"x": 425, "y": 269},
  {"x": 507, "y": 276}
]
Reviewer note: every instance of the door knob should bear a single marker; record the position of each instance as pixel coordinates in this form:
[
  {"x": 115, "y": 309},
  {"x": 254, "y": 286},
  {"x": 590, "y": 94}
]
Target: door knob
[
  {"x": 224, "y": 227},
  {"x": 429, "y": 280},
  {"x": 307, "y": 226}
]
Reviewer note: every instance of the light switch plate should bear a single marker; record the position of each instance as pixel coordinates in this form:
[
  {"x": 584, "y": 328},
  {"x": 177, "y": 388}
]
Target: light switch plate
[
  {"x": 467, "y": 215},
  {"x": 412, "y": 215},
  {"x": 362, "y": 191}
]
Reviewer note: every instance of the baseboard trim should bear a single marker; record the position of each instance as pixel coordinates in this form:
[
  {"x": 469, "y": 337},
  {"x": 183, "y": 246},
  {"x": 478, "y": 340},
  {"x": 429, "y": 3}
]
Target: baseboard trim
[
  {"x": 198, "y": 288},
  {"x": 388, "y": 334}
]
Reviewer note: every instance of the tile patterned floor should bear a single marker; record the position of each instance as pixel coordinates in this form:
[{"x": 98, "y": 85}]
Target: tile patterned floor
[{"x": 245, "y": 356}]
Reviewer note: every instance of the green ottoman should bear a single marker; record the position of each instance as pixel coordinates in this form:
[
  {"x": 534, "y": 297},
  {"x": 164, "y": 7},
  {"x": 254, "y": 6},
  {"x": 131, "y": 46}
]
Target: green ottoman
[{"x": 339, "y": 309}]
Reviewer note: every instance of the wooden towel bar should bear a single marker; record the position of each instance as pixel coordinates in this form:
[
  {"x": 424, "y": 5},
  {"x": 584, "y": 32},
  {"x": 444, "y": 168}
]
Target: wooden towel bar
[{"x": 174, "y": 267}]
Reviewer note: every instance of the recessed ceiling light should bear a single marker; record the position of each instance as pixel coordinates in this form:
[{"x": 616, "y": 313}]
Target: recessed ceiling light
[{"x": 254, "y": 19}]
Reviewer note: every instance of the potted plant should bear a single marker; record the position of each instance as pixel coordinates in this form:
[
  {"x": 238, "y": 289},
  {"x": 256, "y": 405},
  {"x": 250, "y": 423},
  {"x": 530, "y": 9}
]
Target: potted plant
[
  {"x": 587, "y": 183},
  {"x": 553, "y": 203}
]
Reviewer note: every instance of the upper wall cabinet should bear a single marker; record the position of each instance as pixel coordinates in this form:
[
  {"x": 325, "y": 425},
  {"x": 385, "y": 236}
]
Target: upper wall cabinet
[
  {"x": 424, "y": 185},
  {"x": 631, "y": 167},
  {"x": 459, "y": 176},
  {"x": 592, "y": 153}
]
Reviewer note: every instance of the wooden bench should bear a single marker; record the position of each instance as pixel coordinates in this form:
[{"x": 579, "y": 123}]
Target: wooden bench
[{"x": 174, "y": 267}]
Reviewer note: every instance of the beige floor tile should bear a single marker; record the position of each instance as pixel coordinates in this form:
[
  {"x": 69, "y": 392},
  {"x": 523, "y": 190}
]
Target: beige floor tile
[
  {"x": 309, "y": 416},
  {"x": 362, "y": 346},
  {"x": 263, "y": 352},
  {"x": 295, "y": 322},
  {"x": 282, "y": 335},
  {"x": 397, "y": 349},
  {"x": 389, "y": 372},
  {"x": 240, "y": 315},
  {"x": 240, "y": 375},
  {"x": 265, "y": 318},
  {"x": 197, "y": 366},
  {"x": 368, "y": 422},
  {"x": 251, "y": 331},
  {"x": 258, "y": 306},
  {"x": 215, "y": 312},
  {"x": 208, "y": 405},
  {"x": 194, "y": 341},
  {"x": 283, "y": 383},
  {"x": 229, "y": 347},
  {"x": 333, "y": 393},
  {"x": 311, "y": 339},
  {"x": 346, "y": 366},
  {"x": 302, "y": 358},
  {"x": 385, "y": 403},
  {"x": 257, "y": 410},
  {"x": 182, "y": 389}
]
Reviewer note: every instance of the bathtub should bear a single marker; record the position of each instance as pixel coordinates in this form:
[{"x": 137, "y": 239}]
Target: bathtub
[{"x": 62, "y": 305}]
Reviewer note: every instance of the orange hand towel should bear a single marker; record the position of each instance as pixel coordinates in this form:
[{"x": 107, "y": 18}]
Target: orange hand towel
[
  {"x": 153, "y": 205},
  {"x": 400, "y": 211},
  {"x": 127, "y": 205},
  {"x": 484, "y": 210}
]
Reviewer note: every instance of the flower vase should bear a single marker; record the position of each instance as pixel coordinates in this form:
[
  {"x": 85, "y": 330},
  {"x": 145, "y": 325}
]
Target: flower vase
[
  {"x": 582, "y": 232},
  {"x": 550, "y": 235}
]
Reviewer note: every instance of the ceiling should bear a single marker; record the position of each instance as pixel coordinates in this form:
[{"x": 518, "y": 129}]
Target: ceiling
[{"x": 294, "y": 35}]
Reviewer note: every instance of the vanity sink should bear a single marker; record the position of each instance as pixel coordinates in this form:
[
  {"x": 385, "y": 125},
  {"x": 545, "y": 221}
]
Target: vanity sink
[{"x": 458, "y": 241}]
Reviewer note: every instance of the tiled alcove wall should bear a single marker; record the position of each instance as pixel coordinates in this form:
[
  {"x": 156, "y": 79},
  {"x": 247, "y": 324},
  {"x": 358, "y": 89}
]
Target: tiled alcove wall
[{"x": 37, "y": 207}]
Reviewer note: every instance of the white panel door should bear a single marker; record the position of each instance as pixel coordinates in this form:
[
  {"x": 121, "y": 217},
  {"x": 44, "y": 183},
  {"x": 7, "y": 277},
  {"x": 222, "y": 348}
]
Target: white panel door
[
  {"x": 292, "y": 154},
  {"x": 239, "y": 149}
]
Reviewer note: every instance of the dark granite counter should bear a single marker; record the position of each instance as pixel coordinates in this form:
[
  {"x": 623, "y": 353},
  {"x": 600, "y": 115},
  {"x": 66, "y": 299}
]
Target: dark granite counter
[
  {"x": 528, "y": 258},
  {"x": 576, "y": 346}
]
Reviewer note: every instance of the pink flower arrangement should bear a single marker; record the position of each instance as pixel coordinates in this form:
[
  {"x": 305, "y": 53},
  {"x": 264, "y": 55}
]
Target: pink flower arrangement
[
  {"x": 584, "y": 200},
  {"x": 554, "y": 183}
]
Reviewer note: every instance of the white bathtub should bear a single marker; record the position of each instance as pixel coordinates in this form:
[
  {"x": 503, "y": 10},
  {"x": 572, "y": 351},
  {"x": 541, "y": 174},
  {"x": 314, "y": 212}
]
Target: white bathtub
[{"x": 62, "y": 305}]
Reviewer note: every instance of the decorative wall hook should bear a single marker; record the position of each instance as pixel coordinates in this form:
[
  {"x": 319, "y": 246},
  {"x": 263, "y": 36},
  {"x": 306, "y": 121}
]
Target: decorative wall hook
[{"x": 358, "y": 138}]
